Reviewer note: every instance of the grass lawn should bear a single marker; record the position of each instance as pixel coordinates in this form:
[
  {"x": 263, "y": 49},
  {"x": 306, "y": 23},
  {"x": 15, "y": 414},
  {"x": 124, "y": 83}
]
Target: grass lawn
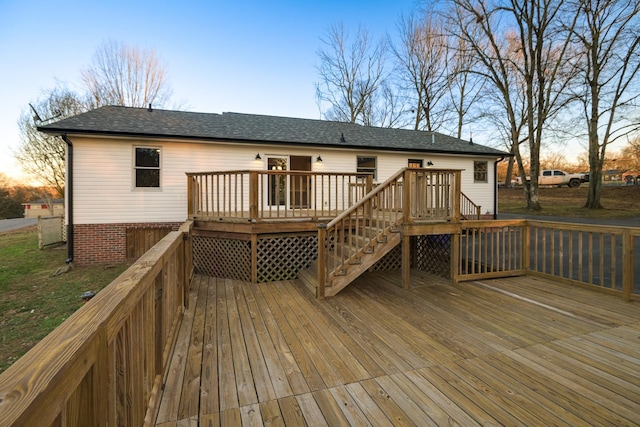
[
  {"x": 33, "y": 301},
  {"x": 617, "y": 202}
]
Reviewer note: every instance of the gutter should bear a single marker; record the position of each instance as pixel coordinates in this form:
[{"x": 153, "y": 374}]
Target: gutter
[{"x": 69, "y": 201}]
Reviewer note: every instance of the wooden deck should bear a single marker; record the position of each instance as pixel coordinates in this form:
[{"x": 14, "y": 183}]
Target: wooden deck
[{"x": 517, "y": 351}]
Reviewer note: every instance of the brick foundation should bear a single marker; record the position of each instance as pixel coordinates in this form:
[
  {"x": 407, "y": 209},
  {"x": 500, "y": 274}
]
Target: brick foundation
[{"x": 99, "y": 244}]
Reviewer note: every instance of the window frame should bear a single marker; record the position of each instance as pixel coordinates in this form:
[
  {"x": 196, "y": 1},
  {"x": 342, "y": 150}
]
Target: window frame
[
  {"x": 373, "y": 169},
  {"x": 135, "y": 168},
  {"x": 477, "y": 173},
  {"x": 415, "y": 162}
]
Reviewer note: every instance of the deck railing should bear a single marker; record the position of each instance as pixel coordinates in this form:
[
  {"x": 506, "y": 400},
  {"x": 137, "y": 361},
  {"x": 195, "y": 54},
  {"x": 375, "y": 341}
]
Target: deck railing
[
  {"x": 491, "y": 249},
  {"x": 431, "y": 195},
  {"x": 596, "y": 256},
  {"x": 275, "y": 194},
  {"x": 105, "y": 364},
  {"x": 468, "y": 209}
]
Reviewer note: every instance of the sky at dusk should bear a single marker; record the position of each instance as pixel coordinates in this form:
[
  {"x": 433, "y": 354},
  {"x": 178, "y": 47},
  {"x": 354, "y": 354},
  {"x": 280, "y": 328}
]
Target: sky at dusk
[{"x": 247, "y": 56}]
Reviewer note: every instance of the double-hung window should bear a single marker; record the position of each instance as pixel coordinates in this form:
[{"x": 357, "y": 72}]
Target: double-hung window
[
  {"x": 480, "y": 171},
  {"x": 367, "y": 164},
  {"x": 147, "y": 167}
]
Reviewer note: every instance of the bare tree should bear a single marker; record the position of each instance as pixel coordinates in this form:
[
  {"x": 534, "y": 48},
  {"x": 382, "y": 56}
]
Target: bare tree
[
  {"x": 539, "y": 64},
  {"x": 351, "y": 75},
  {"x": 609, "y": 32},
  {"x": 41, "y": 155},
  {"x": 421, "y": 59},
  {"x": 465, "y": 87},
  {"x": 498, "y": 58},
  {"x": 125, "y": 75},
  {"x": 632, "y": 153},
  {"x": 119, "y": 75}
]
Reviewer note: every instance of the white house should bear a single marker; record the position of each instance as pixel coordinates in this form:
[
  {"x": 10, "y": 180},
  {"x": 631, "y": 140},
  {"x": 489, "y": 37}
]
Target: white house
[
  {"x": 42, "y": 207},
  {"x": 126, "y": 166}
]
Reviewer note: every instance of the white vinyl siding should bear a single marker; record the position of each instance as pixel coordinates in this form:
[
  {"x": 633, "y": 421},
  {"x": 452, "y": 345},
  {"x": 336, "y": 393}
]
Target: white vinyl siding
[{"x": 103, "y": 190}]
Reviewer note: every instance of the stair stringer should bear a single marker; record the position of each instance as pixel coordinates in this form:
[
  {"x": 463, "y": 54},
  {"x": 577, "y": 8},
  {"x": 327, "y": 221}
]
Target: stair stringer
[{"x": 367, "y": 259}]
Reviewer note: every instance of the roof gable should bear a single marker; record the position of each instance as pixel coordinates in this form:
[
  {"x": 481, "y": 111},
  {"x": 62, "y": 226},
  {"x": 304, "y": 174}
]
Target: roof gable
[{"x": 149, "y": 123}]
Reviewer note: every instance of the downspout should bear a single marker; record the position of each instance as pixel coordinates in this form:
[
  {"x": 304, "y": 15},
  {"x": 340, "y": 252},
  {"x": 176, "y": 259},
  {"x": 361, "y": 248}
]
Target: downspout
[
  {"x": 69, "y": 202},
  {"x": 495, "y": 187}
]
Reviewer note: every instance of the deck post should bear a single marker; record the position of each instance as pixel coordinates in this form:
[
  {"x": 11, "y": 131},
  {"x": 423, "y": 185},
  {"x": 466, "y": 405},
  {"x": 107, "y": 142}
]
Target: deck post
[
  {"x": 406, "y": 261},
  {"x": 253, "y": 195},
  {"x": 454, "y": 256},
  {"x": 406, "y": 197},
  {"x": 190, "y": 195},
  {"x": 322, "y": 259},
  {"x": 627, "y": 264},
  {"x": 455, "y": 203}
]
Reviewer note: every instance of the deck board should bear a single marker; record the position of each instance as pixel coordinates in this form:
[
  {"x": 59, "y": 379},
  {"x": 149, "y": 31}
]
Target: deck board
[{"x": 515, "y": 351}]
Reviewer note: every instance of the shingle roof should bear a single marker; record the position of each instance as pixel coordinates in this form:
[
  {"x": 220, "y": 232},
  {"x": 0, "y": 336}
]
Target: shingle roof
[{"x": 251, "y": 128}]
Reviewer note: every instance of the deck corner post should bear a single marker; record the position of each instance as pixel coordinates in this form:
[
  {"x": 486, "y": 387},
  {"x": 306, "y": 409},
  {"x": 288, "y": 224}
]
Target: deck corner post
[
  {"x": 253, "y": 195},
  {"x": 322, "y": 259},
  {"x": 191, "y": 191},
  {"x": 406, "y": 205},
  {"x": 406, "y": 261},
  {"x": 627, "y": 264},
  {"x": 455, "y": 256},
  {"x": 456, "y": 196}
]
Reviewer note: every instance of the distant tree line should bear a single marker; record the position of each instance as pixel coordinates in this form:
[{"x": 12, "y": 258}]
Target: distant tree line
[
  {"x": 531, "y": 71},
  {"x": 14, "y": 194}
]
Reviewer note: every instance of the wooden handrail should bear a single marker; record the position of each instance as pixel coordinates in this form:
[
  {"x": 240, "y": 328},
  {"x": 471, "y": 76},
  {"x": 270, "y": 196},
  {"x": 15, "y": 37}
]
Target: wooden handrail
[
  {"x": 342, "y": 239},
  {"x": 379, "y": 188},
  {"x": 410, "y": 195},
  {"x": 105, "y": 364},
  {"x": 468, "y": 209}
]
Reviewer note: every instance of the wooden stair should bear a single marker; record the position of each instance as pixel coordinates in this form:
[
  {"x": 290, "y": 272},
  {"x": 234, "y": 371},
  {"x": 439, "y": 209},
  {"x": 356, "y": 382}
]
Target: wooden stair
[
  {"x": 360, "y": 236},
  {"x": 358, "y": 262}
]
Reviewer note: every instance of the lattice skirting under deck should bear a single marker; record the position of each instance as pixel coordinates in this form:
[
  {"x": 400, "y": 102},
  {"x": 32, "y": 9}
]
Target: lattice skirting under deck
[
  {"x": 281, "y": 257},
  {"x": 431, "y": 253},
  {"x": 278, "y": 257}
]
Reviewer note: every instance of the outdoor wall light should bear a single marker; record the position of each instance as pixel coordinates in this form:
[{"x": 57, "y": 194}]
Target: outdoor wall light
[
  {"x": 258, "y": 156},
  {"x": 318, "y": 159},
  {"x": 429, "y": 163}
]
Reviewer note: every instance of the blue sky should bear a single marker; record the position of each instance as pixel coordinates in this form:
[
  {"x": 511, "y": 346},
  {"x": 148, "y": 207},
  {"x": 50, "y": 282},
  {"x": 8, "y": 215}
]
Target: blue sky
[{"x": 244, "y": 56}]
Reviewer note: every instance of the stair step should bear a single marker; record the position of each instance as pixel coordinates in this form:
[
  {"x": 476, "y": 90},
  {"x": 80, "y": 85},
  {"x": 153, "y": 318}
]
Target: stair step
[
  {"x": 340, "y": 282},
  {"x": 309, "y": 279}
]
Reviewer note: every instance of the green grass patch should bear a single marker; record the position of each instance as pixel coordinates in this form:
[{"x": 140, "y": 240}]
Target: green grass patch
[
  {"x": 33, "y": 301},
  {"x": 617, "y": 201}
]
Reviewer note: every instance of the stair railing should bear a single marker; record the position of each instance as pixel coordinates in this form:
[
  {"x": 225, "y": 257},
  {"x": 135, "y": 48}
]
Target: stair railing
[
  {"x": 468, "y": 209},
  {"x": 356, "y": 230}
]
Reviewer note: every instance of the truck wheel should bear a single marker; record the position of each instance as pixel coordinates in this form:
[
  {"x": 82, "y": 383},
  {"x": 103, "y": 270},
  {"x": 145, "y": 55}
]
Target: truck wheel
[{"x": 574, "y": 183}]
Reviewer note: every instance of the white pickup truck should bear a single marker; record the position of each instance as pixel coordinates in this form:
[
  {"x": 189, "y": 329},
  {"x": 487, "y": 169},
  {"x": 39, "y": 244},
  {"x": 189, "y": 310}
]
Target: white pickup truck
[{"x": 558, "y": 177}]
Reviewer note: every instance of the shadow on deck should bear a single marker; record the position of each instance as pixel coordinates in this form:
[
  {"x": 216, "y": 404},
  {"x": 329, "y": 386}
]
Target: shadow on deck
[{"x": 514, "y": 351}]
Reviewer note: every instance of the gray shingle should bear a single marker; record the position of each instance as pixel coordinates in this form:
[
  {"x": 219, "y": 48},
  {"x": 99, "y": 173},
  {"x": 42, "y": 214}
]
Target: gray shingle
[{"x": 142, "y": 122}]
